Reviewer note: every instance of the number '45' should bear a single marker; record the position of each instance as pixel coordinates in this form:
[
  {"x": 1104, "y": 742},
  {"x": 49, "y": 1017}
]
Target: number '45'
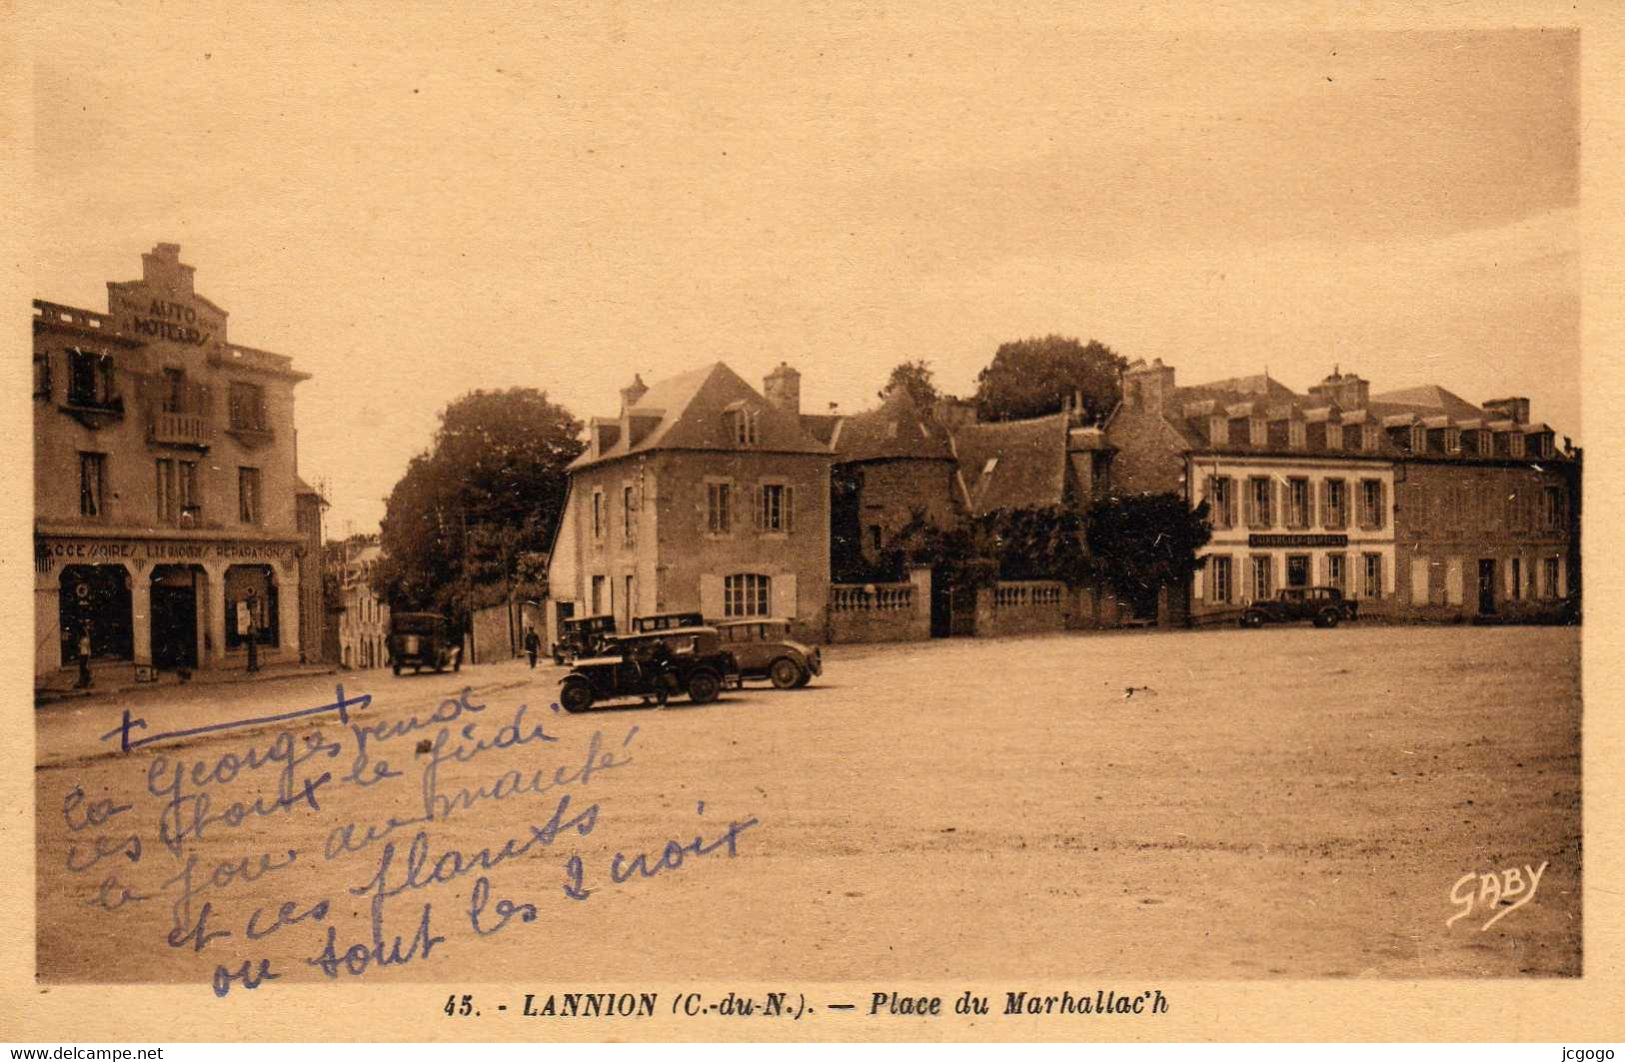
[{"x": 456, "y": 1007}]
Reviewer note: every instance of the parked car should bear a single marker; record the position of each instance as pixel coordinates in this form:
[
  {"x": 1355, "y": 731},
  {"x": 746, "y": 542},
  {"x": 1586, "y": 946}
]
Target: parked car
[
  {"x": 423, "y": 639},
  {"x": 764, "y": 649},
  {"x": 1325, "y": 606},
  {"x": 665, "y": 621},
  {"x": 582, "y": 636},
  {"x": 630, "y": 665}
]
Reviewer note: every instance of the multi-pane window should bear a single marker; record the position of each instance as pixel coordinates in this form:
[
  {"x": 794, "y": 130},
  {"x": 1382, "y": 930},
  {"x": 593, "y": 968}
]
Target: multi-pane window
[
  {"x": 1221, "y": 501},
  {"x": 1419, "y": 439},
  {"x": 597, "y": 515},
  {"x": 90, "y": 379},
  {"x": 177, "y": 490},
  {"x": 746, "y": 595},
  {"x": 1297, "y": 494},
  {"x": 1337, "y": 504},
  {"x": 1452, "y": 440},
  {"x": 746, "y": 430},
  {"x": 1334, "y": 436},
  {"x": 1297, "y": 434},
  {"x": 92, "y": 480},
  {"x": 629, "y": 523},
  {"x": 1260, "y": 502},
  {"x": 1219, "y": 431},
  {"x": 1553, "y": 574},
  {"x": 776, "y": 508},
  {"x": 247, "y": 405},
  {"x": 1515, "y": 441},
  {"x": 1551, "y": 508},
  {"x": 42, "y": 374},
  {"x": 1371, "y": 586},
  {"x": 1221, "y": 580},
  {"x": 1334, "y": 570},
  {"x": 248, "y": 495},
  {"x": 1371, "y": 504},
  {"x": 1261, "y": 578},
  {"x": 1368, "y": 436},
  {"x": 719, "y": 508},
  {"x": 1257, "y": 431}
]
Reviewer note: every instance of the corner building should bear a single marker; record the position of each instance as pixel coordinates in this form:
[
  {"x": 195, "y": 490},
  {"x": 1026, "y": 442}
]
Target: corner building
[{"x": 166, "y": 495}]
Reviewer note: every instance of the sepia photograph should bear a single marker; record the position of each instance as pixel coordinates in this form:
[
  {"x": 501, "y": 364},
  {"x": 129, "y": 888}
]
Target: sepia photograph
[{"x": 846, "y": 523}]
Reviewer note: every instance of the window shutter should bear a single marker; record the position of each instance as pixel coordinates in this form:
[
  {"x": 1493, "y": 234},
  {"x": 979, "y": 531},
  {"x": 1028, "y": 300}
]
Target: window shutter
[
  {"x": 783, "y": 589},
  {"x": 1309, "y": 503},
  {"x": 711, "y": 596},
  {"x": 1382, "y": 505},
  {"x": 789, "y": 508},
  {"x": 760, "y": 503}
]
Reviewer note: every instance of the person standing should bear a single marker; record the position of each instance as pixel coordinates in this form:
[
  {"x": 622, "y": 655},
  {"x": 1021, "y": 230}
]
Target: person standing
[
  {"x": 84, "y": 657},
  {"x": 251, "y": 623},
  {"x": 533, "y": 645}
]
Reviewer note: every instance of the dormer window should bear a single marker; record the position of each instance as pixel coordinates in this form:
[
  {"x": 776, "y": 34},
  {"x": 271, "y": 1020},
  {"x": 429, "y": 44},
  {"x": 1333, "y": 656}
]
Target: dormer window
[
  {"x": 1419, "y": 439},
  {"x": 1334, "y": 436},
  {"x": 1368, "y": 436},
  {"x": 745, "y": 429},
  {"x": 1515, "y": 440},
  {"x": 1452, "y": 440},
  {"x": 1544, "y": 445},
  {"x": 1297, "y": 433},
  {"x": 1219, "y": 431},
  {"x": 1257, "y": 431}
]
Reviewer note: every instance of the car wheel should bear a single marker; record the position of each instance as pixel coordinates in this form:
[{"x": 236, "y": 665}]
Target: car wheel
[
  {"x": 784, "y": 673},
  {"x": 804, "y": 678},
  {"x": 703, "y": 687},
  {"x": 1329, "y": 618},
  {"x": 397, "y": 670},
  {"x": 1252, "y": 619},
  {"x": 576, "y": 695}
]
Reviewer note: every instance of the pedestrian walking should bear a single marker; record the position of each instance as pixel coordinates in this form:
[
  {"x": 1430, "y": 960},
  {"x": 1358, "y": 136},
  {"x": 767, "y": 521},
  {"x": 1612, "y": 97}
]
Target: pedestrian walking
[
  {"x": 533, "y": 645},
  {"x": 84, "y": 657}
]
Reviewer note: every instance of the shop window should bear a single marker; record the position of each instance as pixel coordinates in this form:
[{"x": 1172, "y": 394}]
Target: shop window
[
  {"x": 92, "y": 484},
  {"x": 746, "y": 595},
  {"x": 251, "y": 606},
  {"x": 95, "y": 597}
]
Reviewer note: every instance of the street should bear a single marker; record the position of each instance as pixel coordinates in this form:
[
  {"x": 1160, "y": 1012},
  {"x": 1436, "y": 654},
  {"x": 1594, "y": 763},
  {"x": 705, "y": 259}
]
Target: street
[{"x": 1216, "y": 804}]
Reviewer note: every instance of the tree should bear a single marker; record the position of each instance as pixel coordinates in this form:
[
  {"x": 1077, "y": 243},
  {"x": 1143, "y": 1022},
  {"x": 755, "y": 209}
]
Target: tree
[
  {"x": 488, "y": 491},
  {"x": 1142, "y": 543},
  {"x": 1036, "y": 377},
  {"x": 1041, "y": 543},
  {"x": 915, "y": 377}
]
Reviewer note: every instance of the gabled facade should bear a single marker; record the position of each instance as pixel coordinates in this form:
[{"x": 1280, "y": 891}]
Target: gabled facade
[
  {"x": 703, "y": 494},
  {"x": 167, "y": 518}
]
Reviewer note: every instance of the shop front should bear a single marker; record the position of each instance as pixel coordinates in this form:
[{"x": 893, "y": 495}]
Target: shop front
[{"x": 164, "y": 604}]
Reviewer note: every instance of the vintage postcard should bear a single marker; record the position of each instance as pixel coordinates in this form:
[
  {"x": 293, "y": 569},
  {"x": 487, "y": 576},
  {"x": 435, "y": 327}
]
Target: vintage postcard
[{"x": 849, "y": 523}]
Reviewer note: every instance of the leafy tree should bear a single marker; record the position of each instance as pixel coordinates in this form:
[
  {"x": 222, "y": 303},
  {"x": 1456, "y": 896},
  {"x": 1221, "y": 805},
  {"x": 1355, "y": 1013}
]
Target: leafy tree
[
  {"x": 1141, "y": 543},
  {"x": 1042, "y": 543},
  {"x": 487, "y": 492},
  {"x": 1035, "y": 377},
  {"x": 916, "y": 378}
]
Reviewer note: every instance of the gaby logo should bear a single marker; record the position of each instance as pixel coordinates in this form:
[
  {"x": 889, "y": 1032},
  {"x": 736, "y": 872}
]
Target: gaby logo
[{"x": 1502, "y": 892}]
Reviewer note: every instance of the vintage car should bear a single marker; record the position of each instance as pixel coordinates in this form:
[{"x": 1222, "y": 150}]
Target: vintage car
[
  {"x": 665, "y": 621},
  {"x": 764, "y": 649},
  {"x": 630, "y": 665},
  {"x": 1324, "y": 605},
  {"x": 582, "y": 636},
  {"x": 423, "y": 639}
]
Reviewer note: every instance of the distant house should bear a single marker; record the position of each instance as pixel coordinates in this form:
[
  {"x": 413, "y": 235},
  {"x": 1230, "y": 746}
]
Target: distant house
[
  {"x": 357, "y": 615},
  {"x": 703, "y": 494}
]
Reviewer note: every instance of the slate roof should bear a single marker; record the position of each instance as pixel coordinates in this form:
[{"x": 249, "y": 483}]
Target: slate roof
[
  {"x": 1029, "y": 462},
  {"x": 686, "y": 412},
  {"x": 897, "y": 429},
  {"x": 1431, "y": 397}
]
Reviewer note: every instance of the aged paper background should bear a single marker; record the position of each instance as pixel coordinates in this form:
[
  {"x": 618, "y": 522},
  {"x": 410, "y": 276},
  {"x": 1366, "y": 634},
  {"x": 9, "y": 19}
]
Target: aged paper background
[{"x": 1571, "y": 1010}]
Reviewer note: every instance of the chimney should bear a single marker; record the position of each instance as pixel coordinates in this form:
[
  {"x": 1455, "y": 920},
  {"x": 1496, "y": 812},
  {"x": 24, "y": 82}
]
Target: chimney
[
  {"x": 162, "y": 268},
  {"x": 1345, "y": 388},
  {"x": 1148, "y": 387},
  {"x": 1513, "y": 409},
  {"x": 782, "y": 388},
  {"x": 632, "y": 392}
]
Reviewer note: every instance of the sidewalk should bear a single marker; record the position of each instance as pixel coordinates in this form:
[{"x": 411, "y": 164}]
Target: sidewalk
[{"x": 118, "y": 682}]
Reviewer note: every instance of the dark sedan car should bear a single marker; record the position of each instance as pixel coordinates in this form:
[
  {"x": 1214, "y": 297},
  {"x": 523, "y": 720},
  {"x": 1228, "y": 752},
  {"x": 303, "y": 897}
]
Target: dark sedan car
[
  {"x": 683, "y": 660},
  {"x": 1325, "y": 606}
]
